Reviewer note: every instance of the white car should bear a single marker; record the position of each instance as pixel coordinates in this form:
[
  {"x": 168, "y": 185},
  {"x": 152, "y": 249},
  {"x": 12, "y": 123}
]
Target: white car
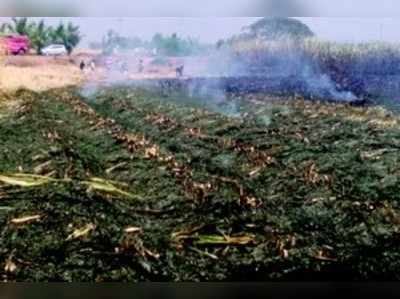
[{"x": 54, "y": 50}]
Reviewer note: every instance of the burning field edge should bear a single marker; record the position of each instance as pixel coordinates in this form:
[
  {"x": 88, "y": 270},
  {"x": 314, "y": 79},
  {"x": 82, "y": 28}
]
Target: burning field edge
[{"x": 126, "y": 184}]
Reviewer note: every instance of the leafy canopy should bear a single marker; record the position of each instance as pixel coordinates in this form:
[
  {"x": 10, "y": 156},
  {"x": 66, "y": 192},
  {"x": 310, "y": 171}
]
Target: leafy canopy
[{"x": 275, "y": 28}]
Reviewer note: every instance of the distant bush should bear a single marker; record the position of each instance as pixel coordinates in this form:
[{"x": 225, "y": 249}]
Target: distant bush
[
  {"x": 176, "y": 46},
  {"x": 172, "y": 45}
]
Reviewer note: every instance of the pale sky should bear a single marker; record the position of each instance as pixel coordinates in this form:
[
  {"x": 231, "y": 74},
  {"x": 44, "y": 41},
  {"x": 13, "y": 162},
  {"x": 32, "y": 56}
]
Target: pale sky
[
  {"x": 210, "y": 29},
  {"x": 177, "y": 8}
]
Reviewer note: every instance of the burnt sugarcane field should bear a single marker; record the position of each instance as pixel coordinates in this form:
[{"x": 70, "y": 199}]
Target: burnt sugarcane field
[{"x": 253, "y": 169}]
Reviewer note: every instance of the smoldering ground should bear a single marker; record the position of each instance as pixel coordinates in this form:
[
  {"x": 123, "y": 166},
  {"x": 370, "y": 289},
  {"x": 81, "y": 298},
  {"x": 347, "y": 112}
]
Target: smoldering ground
[{"x": 281, "y": 67}]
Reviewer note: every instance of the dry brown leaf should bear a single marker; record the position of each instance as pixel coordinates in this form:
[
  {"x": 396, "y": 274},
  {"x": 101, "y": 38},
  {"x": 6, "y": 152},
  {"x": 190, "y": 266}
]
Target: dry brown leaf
[
  {"x": 251, "y": 201},
  {"x": 39, "y": 157},
  {"x": 202, "y": 186},
  {"x": 255, "y": 172},
  {"x": 10, "y": 266},
  {"x": 151, "y": 254},
  {"x": 132, "y": 229},
  {"x": 42, "y": 168},
  {"x": 152, "y": 152},
  {"x": 285, "y": 253},
  {"x": 321, "y": 257},
  {"x": 311, "y": 175}
]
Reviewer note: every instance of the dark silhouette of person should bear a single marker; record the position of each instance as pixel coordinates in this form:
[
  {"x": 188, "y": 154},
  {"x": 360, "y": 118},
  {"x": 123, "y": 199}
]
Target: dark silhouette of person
[
  {"x": 82, "y": 65},
  {"x": 141, "y": 67},
  {"x": 179, "y": 71},
  {"x": 124, "y": 68}
]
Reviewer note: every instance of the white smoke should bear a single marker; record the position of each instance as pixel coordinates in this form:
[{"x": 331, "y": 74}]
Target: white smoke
[{"x": 323, "y": 86}]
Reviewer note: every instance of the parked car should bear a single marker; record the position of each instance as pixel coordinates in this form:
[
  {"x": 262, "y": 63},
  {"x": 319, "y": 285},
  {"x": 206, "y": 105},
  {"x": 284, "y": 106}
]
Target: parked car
[
  {"x": 54, "y": 50},
  {"x": 15, "y": 44}
]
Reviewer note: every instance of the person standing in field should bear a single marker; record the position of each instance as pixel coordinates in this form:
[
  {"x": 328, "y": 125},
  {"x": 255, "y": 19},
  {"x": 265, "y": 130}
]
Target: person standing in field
[
  {"x": 82, "y": 66},
  {"x": 124, "y": 68},
  {"x": 179, "y": 71},
  {"x": 141, "y": 67},
  {"x": 92, "y": 65}
]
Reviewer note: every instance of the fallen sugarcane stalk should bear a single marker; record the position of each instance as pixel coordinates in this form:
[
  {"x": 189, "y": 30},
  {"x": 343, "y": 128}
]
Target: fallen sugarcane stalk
[
  {"x": 224, "y": 240},
  {"x": 26, "y": 219},
  {"x": 153, "y": 211},
  {"x": 107, "y": 187},
  {"x": 98, "y": 184},
  {"x": 133, "y": 230},
  {"x": 118, "y": 166},
  {"x": 186, "y": 233},
  {"x": 81, "y": 232},
  {"x": 25, "y": 180},
  {"x": 103, "y": 181},
  {"x": 191, "y": 234},
  {"x": 7, "y": 208},
  {"x": 204, "y": 253}
]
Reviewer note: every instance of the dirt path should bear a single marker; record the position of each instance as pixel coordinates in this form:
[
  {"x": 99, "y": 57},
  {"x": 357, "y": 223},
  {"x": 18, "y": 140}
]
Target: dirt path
[{"x": 40, "y": 73}]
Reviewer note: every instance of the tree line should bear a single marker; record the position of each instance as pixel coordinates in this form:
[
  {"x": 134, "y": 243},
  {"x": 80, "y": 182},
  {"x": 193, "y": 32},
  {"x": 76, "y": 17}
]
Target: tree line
[
  {"x": 69, "y": 35},
  {"x": 41, "y": 35},
  {"x": 264, "y": 30},
  {"x": 166, "y": 45}
]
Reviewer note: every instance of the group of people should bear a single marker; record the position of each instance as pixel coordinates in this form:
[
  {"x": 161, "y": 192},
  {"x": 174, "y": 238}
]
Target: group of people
[
  {"x": 122, "y": 66},
  {"x": 91, "y": 65}
]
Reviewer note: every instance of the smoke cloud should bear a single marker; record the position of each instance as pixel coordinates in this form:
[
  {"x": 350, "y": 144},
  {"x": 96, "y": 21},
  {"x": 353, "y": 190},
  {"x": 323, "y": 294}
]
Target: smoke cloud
[
  {"x": 211, "y": 80},
  {"x": 279, "y": 67}
]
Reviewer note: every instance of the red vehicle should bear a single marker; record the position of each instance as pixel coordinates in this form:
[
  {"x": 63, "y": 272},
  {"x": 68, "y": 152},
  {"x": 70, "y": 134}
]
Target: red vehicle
[{"x": 16, "y": 44}]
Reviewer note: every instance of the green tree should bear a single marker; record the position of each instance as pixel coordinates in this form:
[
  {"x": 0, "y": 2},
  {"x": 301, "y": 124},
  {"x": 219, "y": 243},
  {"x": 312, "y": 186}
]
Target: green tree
[
  {"x": 110, "y": 42},
  {"x": 40, "y": 36},
  {"x": 3, "y": 28},
  {"x": 68, "y": 35},
  {"x": 172, "y": 45},
  {"x": 158, "y": 41},
  {"x": 275, "y": 28},
  {"x": 20, "y": 26}
]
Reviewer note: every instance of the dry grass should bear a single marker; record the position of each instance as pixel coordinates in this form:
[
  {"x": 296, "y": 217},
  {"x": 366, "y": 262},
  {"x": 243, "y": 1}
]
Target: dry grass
[
  {"x": 40, "y": 73},
  {"x": 37, "y": 73},
  {"x": 39, "y": 78},
  {"x": 35, "y": 61}
]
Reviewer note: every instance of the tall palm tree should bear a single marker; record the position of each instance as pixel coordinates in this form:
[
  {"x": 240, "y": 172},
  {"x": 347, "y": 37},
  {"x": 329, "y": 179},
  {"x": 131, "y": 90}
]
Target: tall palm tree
[
  {"x": 20, "y": 26},
  {"x": 40, "y": 36},
  {"x": 3, "y": 28},
  {"x": 68, "y": 35}
]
